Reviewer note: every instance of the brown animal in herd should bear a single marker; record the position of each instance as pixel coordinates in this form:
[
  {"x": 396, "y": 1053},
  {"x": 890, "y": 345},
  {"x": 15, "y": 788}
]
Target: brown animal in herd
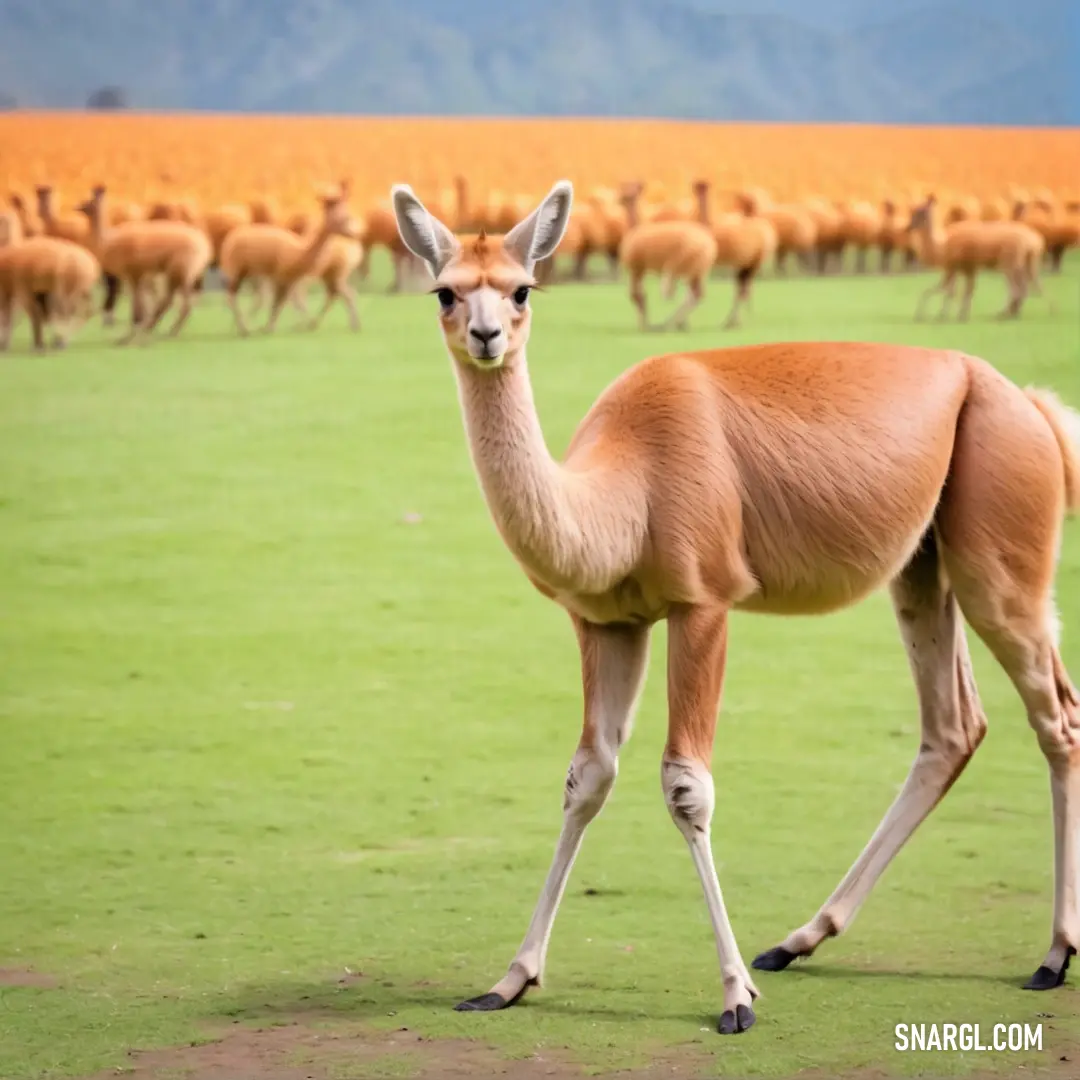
[
  {"x": 274, "y": 254},
  {"x": 50, "y": 278},
  {"x": 967, "y": 246},
  {"x": 138, "y": 252}
]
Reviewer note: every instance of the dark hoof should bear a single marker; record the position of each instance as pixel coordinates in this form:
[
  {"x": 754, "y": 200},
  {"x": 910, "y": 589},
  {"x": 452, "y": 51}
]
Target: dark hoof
[
  {"x": 731, "y": 1023},
  {"x": 773, "y": 959},
  {"x": 483, "y": 1003},
  {"x": 1047, "y": 978},
  {"x": 492, "y": 1002}
]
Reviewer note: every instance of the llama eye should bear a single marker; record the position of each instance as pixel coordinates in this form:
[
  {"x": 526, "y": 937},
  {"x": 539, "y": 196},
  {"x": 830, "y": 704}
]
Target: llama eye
[
  {"x": 446, "y": 298},
  {"x": 521, "y": 295}
]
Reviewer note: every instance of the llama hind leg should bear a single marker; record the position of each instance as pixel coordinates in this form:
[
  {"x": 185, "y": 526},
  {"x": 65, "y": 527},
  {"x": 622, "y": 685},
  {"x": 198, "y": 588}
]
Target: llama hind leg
[
  {"x": 744, "y": 277},
  {"x": 613, "y": 662},
  {"x": 1001, "y": 524},
  {"x": 184, "y": 312},
  {"x": 171, "y": 289},
  {"x": 953, "y": 726},
  {"x": 637, "y": 296},
  {"x": 680, "y": 318},
  {"x": 964, "y": 311},
  {"x": 1024, "y": 644}
]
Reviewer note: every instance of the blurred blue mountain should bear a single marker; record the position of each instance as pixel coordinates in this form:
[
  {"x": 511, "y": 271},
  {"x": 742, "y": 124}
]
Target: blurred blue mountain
[{"x": 886, "y": 61}]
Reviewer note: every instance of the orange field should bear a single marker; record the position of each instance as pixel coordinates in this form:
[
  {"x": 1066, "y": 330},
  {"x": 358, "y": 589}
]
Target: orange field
[{"x": 219, "y": 158}]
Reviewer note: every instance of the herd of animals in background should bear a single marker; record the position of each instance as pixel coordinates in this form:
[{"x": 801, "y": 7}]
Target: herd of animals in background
[{"x": 53, "y": 263}]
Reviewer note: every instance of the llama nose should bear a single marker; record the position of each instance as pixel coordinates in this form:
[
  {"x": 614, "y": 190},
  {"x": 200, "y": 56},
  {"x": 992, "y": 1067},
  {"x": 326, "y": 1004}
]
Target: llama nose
[{"x": 484, "y": 334}]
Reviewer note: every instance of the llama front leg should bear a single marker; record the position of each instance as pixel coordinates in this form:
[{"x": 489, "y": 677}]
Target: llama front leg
[
  {"x": 613, "y": 661},
  {"x": 924, "y": 297},
  {"x": 697, "y": 646},
  {"x": 953, "y": 726}
]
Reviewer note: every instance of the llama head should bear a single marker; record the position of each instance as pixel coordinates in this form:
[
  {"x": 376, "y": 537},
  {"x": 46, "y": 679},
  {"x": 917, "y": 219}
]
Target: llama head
[{"x": 483, "y": 286}]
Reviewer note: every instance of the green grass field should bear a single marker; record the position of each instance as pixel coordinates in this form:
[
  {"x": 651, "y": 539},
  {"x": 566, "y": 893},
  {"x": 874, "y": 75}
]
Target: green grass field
[{"x": 275, "y": 752}]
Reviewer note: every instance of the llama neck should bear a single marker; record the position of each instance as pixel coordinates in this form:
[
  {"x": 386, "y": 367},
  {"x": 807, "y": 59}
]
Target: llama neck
[
  {"x": 310, "y": 253},
  {"x": 927, "y": 243},
  {"x": 96, "y": 219},
  {"x": 555, "y": 523},
  {"x": 703, "y": 206}
]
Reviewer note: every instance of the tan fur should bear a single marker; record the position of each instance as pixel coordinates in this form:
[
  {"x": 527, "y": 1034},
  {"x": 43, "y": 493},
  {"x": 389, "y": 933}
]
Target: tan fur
[
  {"x": 784, "y": 478},
  {"x": 1059, "y": 229},
  {"x": 76, "y": 229},
  {"x": 796, "y": 230},
  {"x": 745, "y": 242},
  {"x": 829, "y": 246},
  {"x": 27, "y": 225},
  {"x": 893, "y": 237},
  {"x": 44, "y": 268},
  {"x": 344, "y": 255},
  {"x": 220, "y": 221},
  {"x": 594, "y": 230},
  {"x": 122, "y": 212},
  {"x": 11, "y": 230},
  {"x": 300, "y": 222},
  {"x": 860, "y": 227},
  {"x": 137, "y": 252},
  {"x": 380, "y": 230},
  {"x": 264, "y": 211},
  {"x": 962, "y": 208},
  {"x": 276, "y": 255},
  {"x": 676, "y": 250},
  {"x": 968, "y": 246},
  {"x": 994, "y": 209},
  {"x": 1065, "y": 424}
]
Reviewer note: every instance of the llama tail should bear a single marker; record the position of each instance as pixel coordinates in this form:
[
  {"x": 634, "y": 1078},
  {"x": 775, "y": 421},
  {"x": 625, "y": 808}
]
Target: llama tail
[{"x": 1065, "y": 424}]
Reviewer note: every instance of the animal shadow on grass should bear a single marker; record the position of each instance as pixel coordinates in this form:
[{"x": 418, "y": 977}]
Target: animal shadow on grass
[
  {"x": 362, "y": 997},
  {"x": 817, "y": 970},
  {"x": 348, "y": 997}
]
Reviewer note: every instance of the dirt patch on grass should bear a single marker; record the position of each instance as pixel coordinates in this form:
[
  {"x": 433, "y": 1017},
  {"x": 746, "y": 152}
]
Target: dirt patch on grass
[
  {"x": 27, "y": 977},
  {"x": 295, "y": 1051},
  {"x": 1055, "y": 1066}
]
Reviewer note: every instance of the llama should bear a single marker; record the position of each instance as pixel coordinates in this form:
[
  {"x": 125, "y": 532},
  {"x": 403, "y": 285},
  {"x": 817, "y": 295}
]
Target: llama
[
  {"x": 51, "y": 278},
  {"x": 791, "y": 478},
  {"x": 274, "y": 254},
  {"x": 138, "y": 251},
  {"x": 674, "y": 249},
  {"x": 969, "y": 245}
]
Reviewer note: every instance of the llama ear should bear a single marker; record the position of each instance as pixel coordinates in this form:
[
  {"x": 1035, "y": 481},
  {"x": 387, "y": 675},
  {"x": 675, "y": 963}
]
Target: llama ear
[
  {"x": 540, "y": 233},
  {"x": 424, "y": 235}
]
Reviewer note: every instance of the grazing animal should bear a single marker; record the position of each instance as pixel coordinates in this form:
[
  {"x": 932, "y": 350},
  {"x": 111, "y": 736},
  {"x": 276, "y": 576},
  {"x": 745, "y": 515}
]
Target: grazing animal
[
  {"x": 677, "y": 250},
  {"x": 860, "y": 227},
  {"x": 745, "y": 241},
  {"x": 277, "y": 255},
  {"x": 796, "y": 230},
  {"x": 381, "y": 231},
  {"x": 894, "y": 234},
  {"x": 51, "y": 278},
  {"x": 137, "y": 252},
  {"x": 1058, "y": 228},
  {"x": 791, "y": 478},
  {"x": 830, "y": 239},
  {"x": 968, "y": 246}
]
